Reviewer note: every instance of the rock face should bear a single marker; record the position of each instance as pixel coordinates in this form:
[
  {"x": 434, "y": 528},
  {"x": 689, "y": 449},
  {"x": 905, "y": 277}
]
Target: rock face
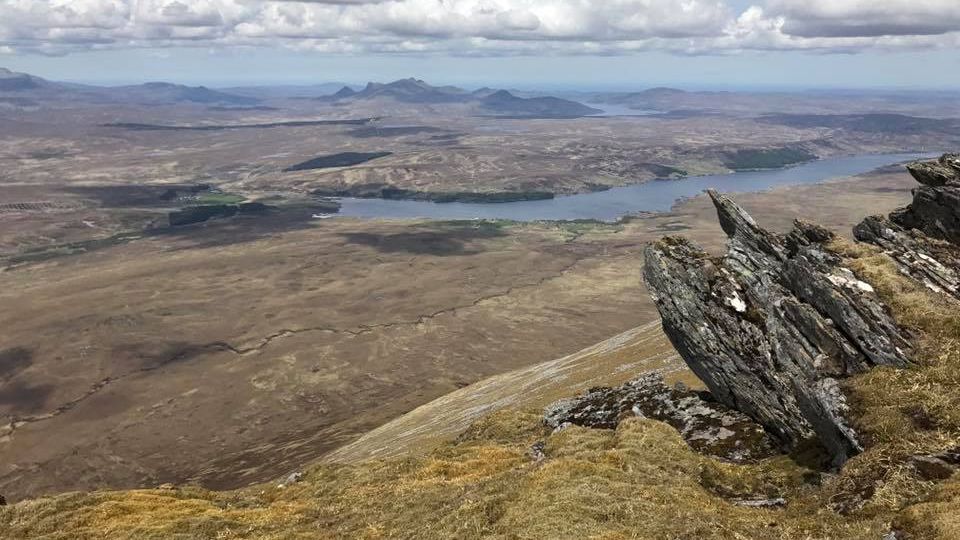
[
  {"x": 706, "y": 425},
  {"x": 773, "y": 326},
  {"x": 924, "y": 237},
  {"x": 935, "y": 209}
]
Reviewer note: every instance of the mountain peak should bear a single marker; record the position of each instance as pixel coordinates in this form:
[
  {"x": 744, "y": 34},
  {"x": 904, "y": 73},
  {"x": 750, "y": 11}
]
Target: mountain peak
[
  {"x": 502, "y": 94},
  {"x": 13, "y": 81},
  {"x": 344, "y": 92}
]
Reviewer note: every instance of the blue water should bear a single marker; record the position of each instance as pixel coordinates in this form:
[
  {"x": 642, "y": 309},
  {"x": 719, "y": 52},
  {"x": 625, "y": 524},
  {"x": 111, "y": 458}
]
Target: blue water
[
  {"x": 619, "y": 110},
  {"x": 655, "y": 196}
]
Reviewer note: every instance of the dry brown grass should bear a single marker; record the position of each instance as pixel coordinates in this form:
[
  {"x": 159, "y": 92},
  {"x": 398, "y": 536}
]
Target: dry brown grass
[
  {"x": 640, "y": 481},
  {"x": 903, "y": 412}
]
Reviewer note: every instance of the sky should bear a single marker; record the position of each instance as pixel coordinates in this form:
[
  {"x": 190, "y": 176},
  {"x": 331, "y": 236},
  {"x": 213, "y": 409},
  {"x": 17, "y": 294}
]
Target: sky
[{"x": 570, "y": 44}]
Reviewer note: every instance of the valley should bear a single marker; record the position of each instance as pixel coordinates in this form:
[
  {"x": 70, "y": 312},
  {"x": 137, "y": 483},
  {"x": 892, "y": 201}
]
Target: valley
[
  {"x": 114, "y": 352},
  {"x": 479, "y": 270},
  {"x": 189, "y": 307}
]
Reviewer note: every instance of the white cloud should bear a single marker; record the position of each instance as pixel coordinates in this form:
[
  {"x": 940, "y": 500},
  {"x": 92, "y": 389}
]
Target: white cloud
[{"x": 485, "y": 27}]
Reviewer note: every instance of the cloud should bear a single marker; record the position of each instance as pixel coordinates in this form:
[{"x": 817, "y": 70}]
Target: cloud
[
  {"x": 866, "y": 18},
  {"x": 479, "y": 27}
]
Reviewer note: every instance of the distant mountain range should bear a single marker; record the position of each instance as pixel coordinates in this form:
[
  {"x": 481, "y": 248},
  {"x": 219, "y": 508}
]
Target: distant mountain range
[
  {"x": 22, "y": 89},
  {"x": 30, "y": 89},
  {"x": 162, "y": 92},
  {"x": 494, "y": 102}
]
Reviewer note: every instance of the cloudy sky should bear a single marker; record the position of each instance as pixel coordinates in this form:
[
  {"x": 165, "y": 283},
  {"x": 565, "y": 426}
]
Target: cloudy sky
[{"x": 562, "y": 43}]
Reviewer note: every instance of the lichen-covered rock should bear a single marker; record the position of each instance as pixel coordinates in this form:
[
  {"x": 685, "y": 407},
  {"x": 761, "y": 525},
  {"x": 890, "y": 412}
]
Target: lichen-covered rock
[
  {"x": 924, "y": 237},
  {"x": 773, "y": 325},
  {"x": 706, "y": 425},
  {"x": 934, "y": 263}
]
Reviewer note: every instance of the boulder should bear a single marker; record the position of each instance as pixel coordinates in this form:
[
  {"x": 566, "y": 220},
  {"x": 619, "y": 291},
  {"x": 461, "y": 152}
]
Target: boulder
[
  {"x": 706, "y": 425},
  {"x": 774, "y": 326}
]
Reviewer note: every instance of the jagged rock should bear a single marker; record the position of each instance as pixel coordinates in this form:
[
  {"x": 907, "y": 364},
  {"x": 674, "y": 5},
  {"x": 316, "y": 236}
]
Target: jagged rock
[
  {"x": 707, "y": 426},
  {"x": 935, "y": 209},
  {"x": 934, "y": 263},
  {"x": 937, "y": 173},
  {"x": 773, "y": 325},
  {"x": 924, "y": 237}
]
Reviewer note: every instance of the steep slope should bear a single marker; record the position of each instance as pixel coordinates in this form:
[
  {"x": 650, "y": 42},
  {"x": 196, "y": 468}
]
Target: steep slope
[{"x": 612, "y": 361}]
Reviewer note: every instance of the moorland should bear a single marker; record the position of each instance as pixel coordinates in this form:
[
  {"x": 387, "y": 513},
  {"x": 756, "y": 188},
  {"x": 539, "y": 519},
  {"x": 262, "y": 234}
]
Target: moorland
[{"x": 142, "y": 347}]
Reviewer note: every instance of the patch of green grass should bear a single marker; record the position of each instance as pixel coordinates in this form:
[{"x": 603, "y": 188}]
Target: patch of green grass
[
  {"x": 772, "y": 158},
  {"x": 216, "y": 198}
]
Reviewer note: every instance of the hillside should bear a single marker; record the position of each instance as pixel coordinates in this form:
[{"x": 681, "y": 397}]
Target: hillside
[
  {"x": 26, "y": 86},
  {"x": 509, "y": 476}
]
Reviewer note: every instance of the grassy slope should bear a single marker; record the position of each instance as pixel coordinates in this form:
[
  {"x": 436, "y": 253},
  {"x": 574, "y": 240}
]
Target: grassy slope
[
  {"x": 609, "y": 362},
  {"x": 640, "y": 481}
]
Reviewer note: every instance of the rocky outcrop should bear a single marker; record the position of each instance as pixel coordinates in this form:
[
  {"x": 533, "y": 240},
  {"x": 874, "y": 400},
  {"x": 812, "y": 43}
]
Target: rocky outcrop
[
  {"x": 934, "y": 263},
  {"x": 937, "y": 173},
  {"x": 924, "y": 237},
  {"x": 706, "y": 425},
  {"x": 935, "y": 209},
  {"x": 774, "y": 326}
]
